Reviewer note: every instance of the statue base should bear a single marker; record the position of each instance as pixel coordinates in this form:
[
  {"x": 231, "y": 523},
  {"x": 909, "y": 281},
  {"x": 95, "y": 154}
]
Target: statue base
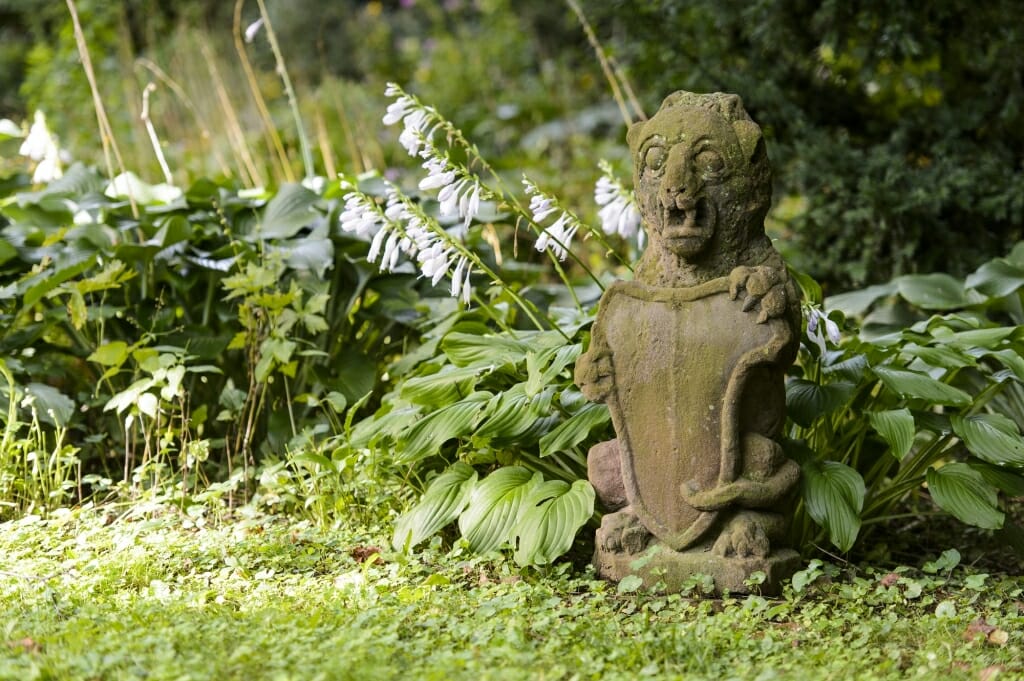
[{"x": 660, "y": 564}]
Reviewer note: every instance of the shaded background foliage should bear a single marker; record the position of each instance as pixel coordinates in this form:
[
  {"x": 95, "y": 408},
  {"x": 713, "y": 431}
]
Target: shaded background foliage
[
  {"x": 896, "y": 128},
  {"x": 899, "y": 124}
]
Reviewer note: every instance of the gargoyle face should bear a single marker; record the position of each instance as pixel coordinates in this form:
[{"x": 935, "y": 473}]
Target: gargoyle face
[{"x": 695, "y": 179}]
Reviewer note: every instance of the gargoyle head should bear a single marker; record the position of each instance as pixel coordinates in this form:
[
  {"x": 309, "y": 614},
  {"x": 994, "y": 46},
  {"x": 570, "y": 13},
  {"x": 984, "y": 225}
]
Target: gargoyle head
[{"x": 702, "y": 178}]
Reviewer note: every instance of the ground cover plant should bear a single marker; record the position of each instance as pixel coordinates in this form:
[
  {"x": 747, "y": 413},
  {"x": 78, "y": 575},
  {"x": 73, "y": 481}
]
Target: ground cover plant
[{"x": 109, "y": 593}]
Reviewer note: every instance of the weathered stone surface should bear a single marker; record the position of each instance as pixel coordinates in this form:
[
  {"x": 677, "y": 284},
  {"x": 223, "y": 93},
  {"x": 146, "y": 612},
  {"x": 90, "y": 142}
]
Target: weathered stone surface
[
  {"x": 604, "y": 470},
  {"x": 691, "y": 357}
]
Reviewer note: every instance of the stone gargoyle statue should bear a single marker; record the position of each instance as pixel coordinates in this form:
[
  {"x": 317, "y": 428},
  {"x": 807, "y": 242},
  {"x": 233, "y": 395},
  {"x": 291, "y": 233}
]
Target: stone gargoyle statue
[{"x": 691, "y": 358}]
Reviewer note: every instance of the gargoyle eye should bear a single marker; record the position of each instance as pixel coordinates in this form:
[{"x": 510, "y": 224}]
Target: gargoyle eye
[
  {"x": 654, "y": 158},
  {"x": 709, "y": 162}
]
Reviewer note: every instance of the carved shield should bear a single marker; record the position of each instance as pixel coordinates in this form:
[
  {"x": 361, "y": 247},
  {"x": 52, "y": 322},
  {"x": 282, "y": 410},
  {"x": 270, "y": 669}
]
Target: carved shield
[{"x": 680, "y": 358}]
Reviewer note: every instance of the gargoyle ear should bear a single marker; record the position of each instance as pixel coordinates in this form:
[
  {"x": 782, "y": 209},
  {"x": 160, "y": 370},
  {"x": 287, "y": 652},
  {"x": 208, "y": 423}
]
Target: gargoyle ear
[
  {"x": 751, "y": 140},
  {"x": 633, "y": 135}
]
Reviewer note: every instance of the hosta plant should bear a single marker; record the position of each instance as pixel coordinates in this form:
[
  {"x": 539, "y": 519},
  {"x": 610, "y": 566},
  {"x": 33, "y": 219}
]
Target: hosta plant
[{"x": 926, "y": 399}]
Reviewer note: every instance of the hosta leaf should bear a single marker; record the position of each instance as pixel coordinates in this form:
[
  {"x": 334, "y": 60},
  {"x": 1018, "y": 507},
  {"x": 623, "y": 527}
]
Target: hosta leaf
[
  {"x": 509, "y": 414},
  {"x": 554, "y": 514},
  {"x": 932, "y": 291},
  {"x": 834, "y": 495},
  {"x": 389, "y": 425},
  {"x": 465, "y": 349},
  {"x": 52, "y": 406},
  {"x": 441, "y": 503},
  {"x": 807, "y": 400},
  {"x": 856, "y": 303},
  {"x": 989, "y": 338},
  {"x": 290, "y": 210},
  {"x": 310, "y": 254},
  {"x": 575, "y": 429},
  {"x": 1002, "y": 478},
  {"x": 946, "y": 357},
  {"x": 911, "y": 384},
  {"x": 963, "y": 492},
  {"x": 896, "y": 427},
  {"x": 496, "y": 506},
  {"x": 430, "y": 432},
  {"x": 992, "y": 437},
  {"x": 997, "y": 278},
  {"x": 444, "y": 387}
]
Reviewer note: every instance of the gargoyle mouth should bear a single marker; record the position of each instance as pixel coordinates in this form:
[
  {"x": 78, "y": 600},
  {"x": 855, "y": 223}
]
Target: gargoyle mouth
[{"x": 693, "y": 221}]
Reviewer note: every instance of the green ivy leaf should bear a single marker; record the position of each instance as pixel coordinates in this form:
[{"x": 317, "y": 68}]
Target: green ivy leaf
[
  {"x": 554, "y": 514},
  {"x": 992, "y": 437},
  {"x": 441, "y": 503},
  {"x": 496, "y": 506},
  {"x": 575, "y": 429},
  {"x": 834, "y": 494},
  {"x": 960, "y": 490},
  {"x": 896, "y": 427},
  {"x": 932, "y": 291},
  {"x": 807, "y": 400},
  {"x": 912, "y": 384}
]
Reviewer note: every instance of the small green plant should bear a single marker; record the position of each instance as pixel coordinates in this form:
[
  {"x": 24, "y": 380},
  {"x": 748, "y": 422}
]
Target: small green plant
[{"x": 926, "y": 397}]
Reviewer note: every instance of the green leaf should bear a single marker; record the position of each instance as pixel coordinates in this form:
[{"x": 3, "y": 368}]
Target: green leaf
[
  {"x": 960, "y": 490},
  {"x": 111, "y": 354},
  {"x": 289, "y": 211},
  {"x": 7, "y": 251},
  {"x": 807, "y": 400},
  {"x": 856, "y": 303},
  {"x": 896, "y": 427},
  {"x": 310, "y": 254},
  {"x": 441, "y": 503},
  {"x": 465, "y": 349},
  {"x": 986, "y": 338},
  {"x": 51, "y": 405},
  {"x": 432, "y": 431},
  {"x": 997, "y": 278},
  {"x": 949, "y": 559},
  {"x": 575, "y": 429},
  {"x": 932, "y": 291},
  {"x": 554, "y": 514},
  {"x": 834, "y": 495},
  {"x": 992, "y": 437},
  {"x": 810, "y": 289},
  {"x": 443, "y": 387},
  {"x": 1008, "y": 481},
  {"x": 496, "y": 506},
  {"x": 911, "y": 384},
  {"x": 509, "y": 415}
]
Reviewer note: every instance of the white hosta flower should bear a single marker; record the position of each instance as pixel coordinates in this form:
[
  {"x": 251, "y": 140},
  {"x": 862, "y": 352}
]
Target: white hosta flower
[
  {"x": 397, "y": 110},
  {"x": 434, "y": 262},
  {"x": 359, "y": 216},
  {"x": 48, "y": 169},
  {"x": 378, "y": 241},
  {"x": 618, "y": 213},
  {"x": 414, "y": 135},
  {"x": 457, "y": 275},
  {"x": 391, "y": 252},
  {"x": 541, "y": 207},
  {"x": 439, "y": 174},
  {"x": 820, "y": 328},
  {"x": 558, "y": 237},
  {"x": 39, "y": 141},
  {"x": 252, "y": 29}
]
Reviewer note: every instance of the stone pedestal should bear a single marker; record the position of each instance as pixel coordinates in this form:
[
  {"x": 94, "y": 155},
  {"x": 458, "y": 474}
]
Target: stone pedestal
[{"x": 660, "y": 564}]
